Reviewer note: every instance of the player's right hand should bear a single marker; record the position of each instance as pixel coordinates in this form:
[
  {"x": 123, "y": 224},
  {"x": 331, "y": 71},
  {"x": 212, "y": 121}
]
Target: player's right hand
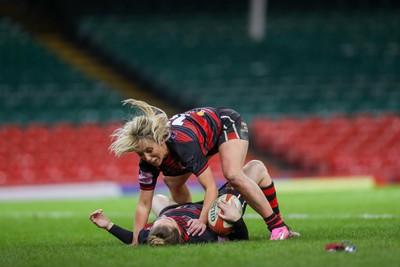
[
  {"x": 100, "y": 220},
  {"x": 228, "y": 212}
]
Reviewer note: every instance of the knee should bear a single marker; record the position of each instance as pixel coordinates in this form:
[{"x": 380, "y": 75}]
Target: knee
[
  {"x": 159, "y": 198},
  {"x": 256, "y": 165},
  {"x": 159, "y": 203},
  {"x": 258, "y": 172},
  {"x": 234, "y": 176}
]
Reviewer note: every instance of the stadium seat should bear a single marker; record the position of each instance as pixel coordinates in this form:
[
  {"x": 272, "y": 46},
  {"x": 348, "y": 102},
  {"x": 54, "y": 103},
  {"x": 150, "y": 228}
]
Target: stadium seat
[
  {"x": 37, "y": 87},
  {"x": 321, "y": 85},
  {"x": 307, "y": 65},
  {"x": 362, "y": 145},
  {"x": 66, "y": 153}
]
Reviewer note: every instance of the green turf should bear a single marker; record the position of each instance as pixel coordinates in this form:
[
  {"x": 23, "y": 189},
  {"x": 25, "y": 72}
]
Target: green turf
[{"x": 59, "y": 233}]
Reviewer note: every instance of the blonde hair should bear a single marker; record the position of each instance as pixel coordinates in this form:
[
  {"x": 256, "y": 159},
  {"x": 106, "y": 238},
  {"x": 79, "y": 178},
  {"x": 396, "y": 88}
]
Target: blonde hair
[
  {"x": 151, "y": 124},
  {"x": 163, "y": 235}
]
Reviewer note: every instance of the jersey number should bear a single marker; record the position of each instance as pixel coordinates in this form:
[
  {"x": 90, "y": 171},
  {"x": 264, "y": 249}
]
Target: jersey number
[{"x": 178, "y": 119}]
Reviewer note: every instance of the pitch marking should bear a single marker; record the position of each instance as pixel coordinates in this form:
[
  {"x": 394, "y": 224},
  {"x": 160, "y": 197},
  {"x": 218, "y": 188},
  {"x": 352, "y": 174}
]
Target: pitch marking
[{"x": 293, "y": 216}]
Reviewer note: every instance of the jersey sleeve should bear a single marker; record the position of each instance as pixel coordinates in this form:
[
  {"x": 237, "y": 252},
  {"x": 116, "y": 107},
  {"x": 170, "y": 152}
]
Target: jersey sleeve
[
  {"x": 122, "y": 234},
  {"x": 207, "y": 236},
  {"x": 148, "y": 175},
  {"x": 239, "y": 232}
]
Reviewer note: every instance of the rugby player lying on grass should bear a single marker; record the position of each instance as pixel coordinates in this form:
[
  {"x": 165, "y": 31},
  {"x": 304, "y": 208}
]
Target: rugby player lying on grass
[{"x": 171, "y": 225}]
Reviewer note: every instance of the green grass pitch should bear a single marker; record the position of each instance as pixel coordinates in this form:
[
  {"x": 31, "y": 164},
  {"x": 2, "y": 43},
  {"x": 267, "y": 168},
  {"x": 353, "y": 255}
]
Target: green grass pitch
[{"x": 59, "y": 233}]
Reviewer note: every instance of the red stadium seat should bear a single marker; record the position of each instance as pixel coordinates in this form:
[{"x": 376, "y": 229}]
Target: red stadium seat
[
  {"x": 79, "y": 153},
  {"x": 335, "y": 146},
  {"x": 62, "y": 153}
]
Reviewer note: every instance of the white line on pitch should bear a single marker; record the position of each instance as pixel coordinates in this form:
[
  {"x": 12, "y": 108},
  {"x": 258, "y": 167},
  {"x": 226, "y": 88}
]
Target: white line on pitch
[
  {"x": 293, "y": 216},
  {"x": 328, "y": 216}
]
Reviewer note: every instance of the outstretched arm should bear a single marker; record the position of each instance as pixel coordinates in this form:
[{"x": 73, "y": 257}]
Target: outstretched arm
[{"x": 101, "y": 221}]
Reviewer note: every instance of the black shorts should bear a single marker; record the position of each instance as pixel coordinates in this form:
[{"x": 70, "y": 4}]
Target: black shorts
[{"x": 234, "y": 127}]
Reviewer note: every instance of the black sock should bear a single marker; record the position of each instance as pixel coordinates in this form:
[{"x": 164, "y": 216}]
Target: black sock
[
  {"x": 274, "y": 221},
  {"x": 270, "y": 194}
]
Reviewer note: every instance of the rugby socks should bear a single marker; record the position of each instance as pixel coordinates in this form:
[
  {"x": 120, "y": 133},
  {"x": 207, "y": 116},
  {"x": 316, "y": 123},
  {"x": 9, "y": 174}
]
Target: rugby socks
[
  {"x": 274, "y": 221},
  {"x": 270, "y": 194}
]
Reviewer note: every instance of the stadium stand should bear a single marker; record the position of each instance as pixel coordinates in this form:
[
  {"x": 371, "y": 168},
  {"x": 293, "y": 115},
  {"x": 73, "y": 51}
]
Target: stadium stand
[
  {"x": 49, "y": 112},
  {"x": 309, "y": 63},
  {"x": 321, "y": 92},
  {"x": 65, "y": 153},
  {"x": 37, "y": 87},
  {"x": 335, "y": 146},
  {"x": 55, "y": 122},
  {"x": 328, "y": 67}
]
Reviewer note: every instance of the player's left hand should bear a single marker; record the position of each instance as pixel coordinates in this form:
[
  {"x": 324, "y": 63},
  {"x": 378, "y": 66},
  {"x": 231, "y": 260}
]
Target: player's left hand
[{"x": 196, "y": 227}]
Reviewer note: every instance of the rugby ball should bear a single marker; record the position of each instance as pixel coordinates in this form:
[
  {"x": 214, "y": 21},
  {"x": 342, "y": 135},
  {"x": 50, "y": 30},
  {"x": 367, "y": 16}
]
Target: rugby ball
[{"x": 217, "y": 224}]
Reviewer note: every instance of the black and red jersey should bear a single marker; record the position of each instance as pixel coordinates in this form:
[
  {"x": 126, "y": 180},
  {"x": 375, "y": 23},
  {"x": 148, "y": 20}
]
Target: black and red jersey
[
  {"x": 182, "y": 214},
  {"x": 194, "y": 137}
]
